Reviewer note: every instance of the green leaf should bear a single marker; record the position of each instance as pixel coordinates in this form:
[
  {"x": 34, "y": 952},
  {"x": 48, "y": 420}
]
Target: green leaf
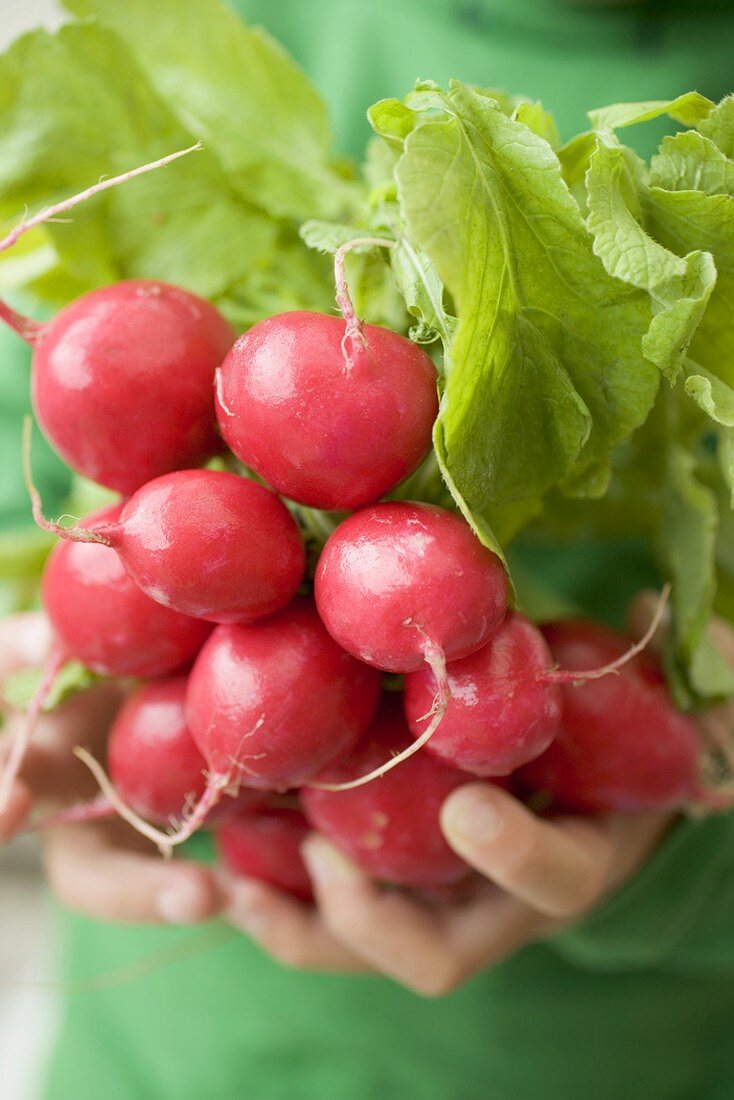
[
  {"x": 237, "y": 90},
  {"x": 691, "y": 162},
  {"x": 679, "y": 288},
  {"x": 685, "y": 220},
  {"x": 74, "y": 107},
  {"x": 719, "y": 126},
  {"x": 328, "y": 237},
  {"x": 689, "y": 109},
  {"x": 537, "y": 388},
  {"x": 540, "y": 121},
  {"x": 19, "y": 689},
  {"x": 711, "y": 394},
  {"x": 687, "y": 540}
]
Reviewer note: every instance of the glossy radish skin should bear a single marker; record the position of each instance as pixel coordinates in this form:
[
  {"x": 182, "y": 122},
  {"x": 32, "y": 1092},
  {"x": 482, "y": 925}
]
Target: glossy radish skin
[
  {"x": 324, "y": 433},
  {"x": 266, "y": 845},
  {"x": 500, "y": 713},
  {"x": 390, "y": 827},
  {"x": 270, "y": 703},
  {"x": 398, "y": 574},
  {"x": 212, "y": 545},
  {"x": 101, "y": 618},
  {"x": 152, "y": 759},
  {"x": 622, "y": 745},
  {"x": 122, "y": 381}
]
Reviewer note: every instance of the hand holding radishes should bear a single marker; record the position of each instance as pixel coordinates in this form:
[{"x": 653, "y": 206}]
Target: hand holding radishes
[
  {"x": 549, "y": 874},
  {"x": 102, "y": 869}
]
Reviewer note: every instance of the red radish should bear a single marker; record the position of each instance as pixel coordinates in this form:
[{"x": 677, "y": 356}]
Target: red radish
[
  {"x": 266, "y": 844},
  {"x": 122, "y": 378},
  {"x": 502, "y": 710},
  {"x": 153, "y": 761},
  {"x": 208, "y": 544},
  {"x": 271, "y": 703},
  {"x": 399, "y": 579},
  {"x": 330, "y": 412},
  {"x": 390, "y": 828},
  {"x": 101, "y": 618},
  {"x": 622, "y": 746},
  {"x": 268, "y": 705},
  {"x": 154, "y": 765},
  {"x": 403, "y": 585}
]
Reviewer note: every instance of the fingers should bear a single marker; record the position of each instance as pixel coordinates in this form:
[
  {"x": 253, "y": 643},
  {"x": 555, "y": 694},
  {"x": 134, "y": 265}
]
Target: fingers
[
  {"x": 93, "y": 872},
  {"x": 50, "y": 769},
  {"x": 286, "y": 929},
  {"x": 16, "y": 812},
  {"x": 430, "y": 951},
  {"x": 24, "y": 640},
  {"x": 558, "y": 870}
]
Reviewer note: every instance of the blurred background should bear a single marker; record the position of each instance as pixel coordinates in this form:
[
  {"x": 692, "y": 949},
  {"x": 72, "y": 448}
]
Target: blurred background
[{"x": 27, "y": 972}]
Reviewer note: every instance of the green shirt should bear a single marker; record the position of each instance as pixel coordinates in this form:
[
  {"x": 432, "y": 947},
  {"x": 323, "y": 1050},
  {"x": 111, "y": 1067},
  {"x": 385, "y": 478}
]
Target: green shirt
[{"x": 638, "y": 1002}]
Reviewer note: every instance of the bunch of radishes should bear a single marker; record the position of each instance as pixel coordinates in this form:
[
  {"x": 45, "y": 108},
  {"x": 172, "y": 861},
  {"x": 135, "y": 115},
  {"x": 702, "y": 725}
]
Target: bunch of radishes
[{"x": 261, "y": 680}]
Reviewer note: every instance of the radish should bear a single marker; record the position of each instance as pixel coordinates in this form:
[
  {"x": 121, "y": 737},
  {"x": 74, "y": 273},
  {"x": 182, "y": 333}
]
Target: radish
[
  {"x": 622, "y": 746},
  {"x": 154, "y": 765},
  {"x": 390, "y": 828},
  {"x": 330, "y": 412},
  {"x": 403, "y": 585},
  {"x": 503, "y": 709},
  {"x": 266, "y": 844},
  {"x": 268, "y": 705},
  {"x": 153, "y": 761},
  {"x": 101, "y": 618},
  {"x": 122, "y": 378},
  {"x": 208, "y": 544}
]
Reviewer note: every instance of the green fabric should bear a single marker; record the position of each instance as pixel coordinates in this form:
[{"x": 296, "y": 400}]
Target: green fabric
[{"x": 638, "y": 1001}]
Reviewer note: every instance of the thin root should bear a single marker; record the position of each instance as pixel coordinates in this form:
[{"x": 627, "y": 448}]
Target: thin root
[
  {"x": 435, "y": 659},
  {"x": 18, "y": 749},
  {"x": 165, "y": 842},
  {"x": 75, "y": 533},
  {"x": 579, "y": 677}
]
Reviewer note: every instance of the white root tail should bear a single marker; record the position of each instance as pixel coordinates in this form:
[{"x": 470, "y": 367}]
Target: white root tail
[
  {"x": 19, "y": 747},
  {"x": 354, "y": 338},
  {"x": 435, "y": 659},
  {"x": 165, "y": 842},
  {"x": 75, "y": 533},
  {"x": 99, "y": 809},
  {"x": 26, "y": 327},
  {"x": 579, "y": 677}
]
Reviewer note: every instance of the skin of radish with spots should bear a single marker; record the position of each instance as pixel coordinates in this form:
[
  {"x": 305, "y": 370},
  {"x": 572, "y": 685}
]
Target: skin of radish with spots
[
  {"x": 153, "y": 762},
  {"x": 499, "y": 715},
  {"x": 622, "y": 747},
  {"x": 122, "y": 382},
  {"x": 321, "y": 433},
  {"x": 212, "y": 545},
  {"x": 100, "y": 617},
  {"x": 273, "y": 702},
  {"x": 390, "y": 827},
  {"x": 266, "y": 845},
  {"x": 396, "y": 573}
]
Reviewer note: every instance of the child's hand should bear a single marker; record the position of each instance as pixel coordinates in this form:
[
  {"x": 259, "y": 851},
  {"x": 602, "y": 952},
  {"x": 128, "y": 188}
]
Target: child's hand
[
  {"x": 103, "y": 870},
  {"x": 537, "y": 876}
]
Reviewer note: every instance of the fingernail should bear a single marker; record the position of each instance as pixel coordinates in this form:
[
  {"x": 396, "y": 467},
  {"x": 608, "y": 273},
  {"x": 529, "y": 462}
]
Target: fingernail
[
  {"x": 474, "y": 817},
  {"x": 244, "y": 908},
  {"x": 324, "y": 863},
  {"x": 181, "y": 903}
]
